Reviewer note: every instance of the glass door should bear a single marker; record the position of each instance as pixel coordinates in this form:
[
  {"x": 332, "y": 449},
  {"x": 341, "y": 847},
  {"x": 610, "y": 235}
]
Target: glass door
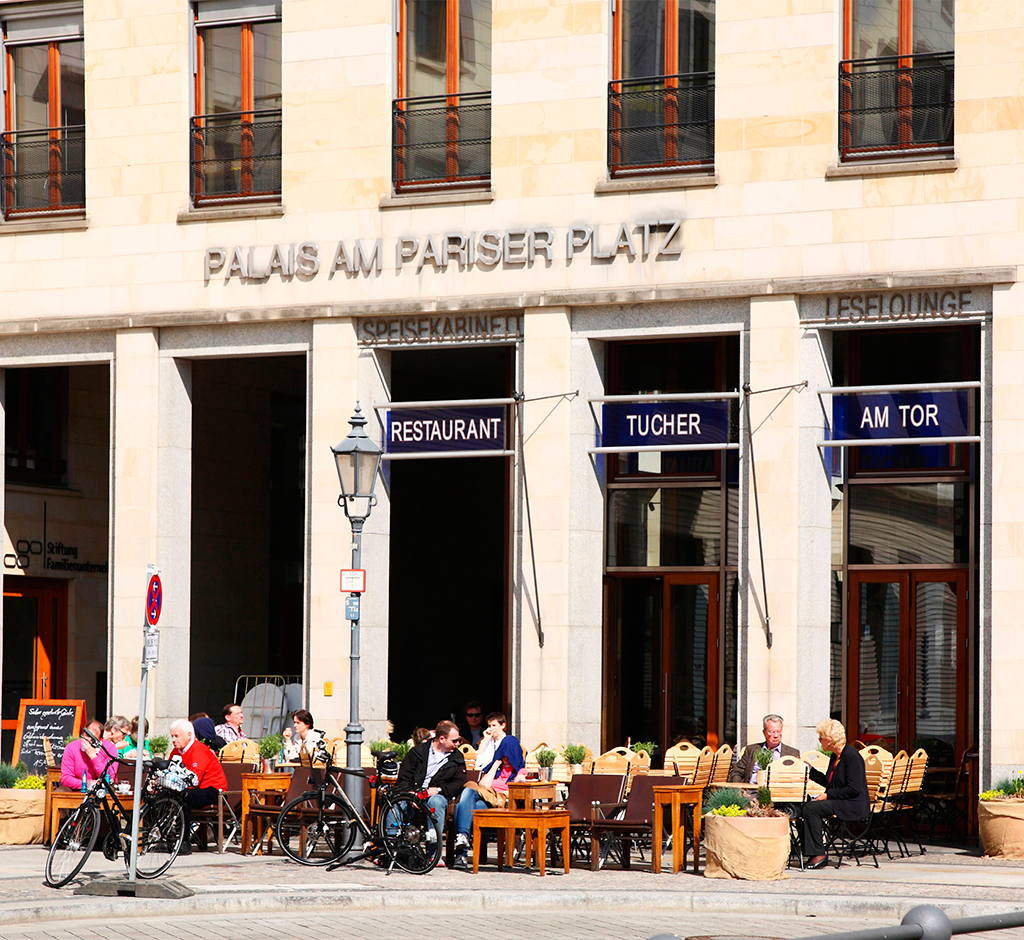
[
  {"x": 908, "y": 660},
  {"x": 690, "y": 659}
]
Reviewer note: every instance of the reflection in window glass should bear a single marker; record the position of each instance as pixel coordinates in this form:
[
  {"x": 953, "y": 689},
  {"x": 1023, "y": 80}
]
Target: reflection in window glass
[
  {"x": 474, "y": 46},
  {"x": 879, "y": 634},
  {"x": 664, "y": 527},
  {"x": 696, "y": 36},
  {"x": 836, "y": 648},
  {"x": 266, "y": 65},
  {"x": 935, "y": 664},
  {"x": 31, "y": 87},
  {"x": 908, "y": 524},
  {"x": 222, "y": 69},
  {"x": 643, "y": 38},
  {"x": 875, "y": 28},
  {"x": 425, "y": 48},
  {"x": 72, "y": 83},
  {"x": 729, "y": 641},
  {"x": 933, "y": 26}
]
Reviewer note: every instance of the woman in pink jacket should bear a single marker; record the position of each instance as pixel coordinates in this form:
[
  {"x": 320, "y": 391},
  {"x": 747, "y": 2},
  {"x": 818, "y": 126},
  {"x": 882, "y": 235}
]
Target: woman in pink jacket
[{"x": 83, "y": 757}]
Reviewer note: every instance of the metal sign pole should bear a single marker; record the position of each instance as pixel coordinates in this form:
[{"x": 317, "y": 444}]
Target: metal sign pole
[{"x": 150, "y": 656}]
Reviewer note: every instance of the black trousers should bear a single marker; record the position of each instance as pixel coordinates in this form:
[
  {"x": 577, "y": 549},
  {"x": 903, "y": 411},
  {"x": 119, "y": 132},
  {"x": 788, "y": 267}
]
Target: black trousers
[
  {"x": 813, "y": 814},
  {"x": 198, "y": 797}
]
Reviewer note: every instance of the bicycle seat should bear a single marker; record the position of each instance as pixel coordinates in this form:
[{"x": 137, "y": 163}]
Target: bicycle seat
[{"x": 157, "y": 764}]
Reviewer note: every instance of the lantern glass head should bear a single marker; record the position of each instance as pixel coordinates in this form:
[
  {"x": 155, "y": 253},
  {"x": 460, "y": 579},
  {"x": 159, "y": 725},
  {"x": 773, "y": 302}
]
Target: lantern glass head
[{"x": 357, "y": 459}]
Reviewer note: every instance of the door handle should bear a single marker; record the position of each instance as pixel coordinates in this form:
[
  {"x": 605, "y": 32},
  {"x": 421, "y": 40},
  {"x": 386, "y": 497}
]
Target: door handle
[{"x": 44, "y": 685}]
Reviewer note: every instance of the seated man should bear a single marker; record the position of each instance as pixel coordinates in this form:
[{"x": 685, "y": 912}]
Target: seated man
[
  {"x": 438, "y": 767},
  {"x": 83, "y": 758},
  {"x": 744, "y": 770},
  {"x": 198, "y": 758},
  {"x": 502, "y": 764},
  {"x": 231, "y": 729}
]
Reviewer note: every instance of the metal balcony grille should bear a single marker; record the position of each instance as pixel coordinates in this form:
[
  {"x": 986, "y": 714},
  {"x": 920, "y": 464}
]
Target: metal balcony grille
[
  {"x": 42, "y": 171},
  {"x": 236, "y": 156},
  {"x": 441, "y": 141},
  {"x": 889, "y": 105},
  {"x": 661, "y": 123}
]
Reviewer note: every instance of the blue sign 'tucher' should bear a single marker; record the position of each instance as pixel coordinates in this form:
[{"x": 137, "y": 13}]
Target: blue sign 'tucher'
[{"x": 661, "y": 423}]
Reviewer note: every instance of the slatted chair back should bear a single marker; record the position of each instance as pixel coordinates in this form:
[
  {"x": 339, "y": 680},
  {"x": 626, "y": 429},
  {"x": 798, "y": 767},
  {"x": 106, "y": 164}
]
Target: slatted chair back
[
  {"x": 894, "y": 777},
  {"x": 640, "y": 763},
  {"x": 683, "y": 758},
  {"x": 587, "y": 789},
  {"x": 615, "y": 761},
  {"x": 245, "y": 751},
  {"x": 816, "y": 759},
  {"x": 787, "y": 780},
  {"x": 916, "y": 771},
  {"x": 469, "y": 753},
  {"x": 705, "y": 765},
  {"x": 722, "y": 766},
  {"x": 640, "y": 801},
  {"x": 876, "y": 750},
  {"x": 873, "y": 772},
  {"x": 48, "y": 752}
]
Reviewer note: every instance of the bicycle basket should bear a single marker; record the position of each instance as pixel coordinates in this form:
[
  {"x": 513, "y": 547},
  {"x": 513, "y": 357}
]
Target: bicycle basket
[{"x": 176, "y": 777}]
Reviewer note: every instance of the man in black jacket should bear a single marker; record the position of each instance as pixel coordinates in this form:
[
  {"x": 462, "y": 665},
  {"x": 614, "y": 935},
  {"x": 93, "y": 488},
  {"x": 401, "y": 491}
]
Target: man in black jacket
[{"x": 438, "y": 767}]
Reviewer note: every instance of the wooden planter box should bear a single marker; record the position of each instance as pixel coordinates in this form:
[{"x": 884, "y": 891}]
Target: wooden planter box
[
  {"x": 1001, "y": 824},
  {"x": 751, "y": 848},
  {"x": 21, "y": 817}
]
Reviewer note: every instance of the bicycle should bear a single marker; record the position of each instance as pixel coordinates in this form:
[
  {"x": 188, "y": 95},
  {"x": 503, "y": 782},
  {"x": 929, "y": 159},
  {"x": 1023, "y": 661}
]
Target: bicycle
[
  {"x": 161, "y": 825},
  {"x": 320, "y": 826}
]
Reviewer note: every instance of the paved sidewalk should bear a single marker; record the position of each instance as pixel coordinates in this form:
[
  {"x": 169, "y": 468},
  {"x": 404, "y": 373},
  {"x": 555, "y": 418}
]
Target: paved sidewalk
[{"x": 962, "y": 884}]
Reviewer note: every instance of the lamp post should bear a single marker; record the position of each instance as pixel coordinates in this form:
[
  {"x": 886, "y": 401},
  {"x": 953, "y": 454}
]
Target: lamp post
[{"x": 357, "y": 459}]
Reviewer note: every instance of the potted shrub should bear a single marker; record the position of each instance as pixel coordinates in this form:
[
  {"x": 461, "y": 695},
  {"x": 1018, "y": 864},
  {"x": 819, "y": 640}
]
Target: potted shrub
[
  {"x": 159, "y": 745},
  {"x": 762, "y": 758},
  {"x": 744, "y": 838},
  {"x": 546, "y": 761},
  {"x": 1001, "y": 818},
  {"x": 270, "y": 749},
  {"x": 574, "y": 755},
  {"x": 22, "y": 801}
]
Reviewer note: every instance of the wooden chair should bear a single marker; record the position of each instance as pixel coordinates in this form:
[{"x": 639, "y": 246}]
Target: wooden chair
[
  {"x": 469, "y": 753},
  {"x": 949, "y": 807},
  {"x": 902, "y": 824},
  {"x": 857, "y": 838},
  {"x": 683, "y": 758},
  {"x": 640, "y": 763},
  {"x": 786, "y": 779},
  {"x": 586, "y": 791},
  {"x": 52, "y": 782},
  {"x": 615, "y": 761},
  {"x": 703, "y": 768},
  {"x": 245, "y": 751},
  {"x": 876, "y": 750},
  {"x": 722, "y": 766},
  {"x": 225, "y": 810},
  {"x": 819, "y": 762},
  {"x": 263, "y": 797},
  {"x": 48, "y": 753}
]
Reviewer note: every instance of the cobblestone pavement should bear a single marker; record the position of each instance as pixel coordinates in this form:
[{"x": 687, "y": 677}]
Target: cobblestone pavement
[{"x": 458, "y": 924}]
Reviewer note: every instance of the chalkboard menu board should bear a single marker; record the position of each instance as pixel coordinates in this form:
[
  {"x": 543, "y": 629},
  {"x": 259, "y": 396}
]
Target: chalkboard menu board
[{"x": 53, "y": 719}]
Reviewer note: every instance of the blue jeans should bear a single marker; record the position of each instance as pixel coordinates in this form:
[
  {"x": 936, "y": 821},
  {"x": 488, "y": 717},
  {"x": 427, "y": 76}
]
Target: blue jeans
[
  {"x": 438, "y": 803},
  {"x": 469, "y": 800}
]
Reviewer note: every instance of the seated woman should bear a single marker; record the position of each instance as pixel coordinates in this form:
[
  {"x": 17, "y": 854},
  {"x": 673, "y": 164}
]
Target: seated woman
[
  {"x": 304, "y": 738},
  {"x": 846, "y": 790},
  {"x": 116, "y": 731}
]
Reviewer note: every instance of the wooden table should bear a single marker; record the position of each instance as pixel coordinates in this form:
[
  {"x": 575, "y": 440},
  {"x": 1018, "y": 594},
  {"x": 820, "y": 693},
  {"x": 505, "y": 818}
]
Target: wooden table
[
  {"x": 72, "y": 799},
  {"x": 509, "y": 820},
  {"x": 254, "y": 785},
  {"x": 676, "y": 798},
  {"x": 527, "y": 793}
]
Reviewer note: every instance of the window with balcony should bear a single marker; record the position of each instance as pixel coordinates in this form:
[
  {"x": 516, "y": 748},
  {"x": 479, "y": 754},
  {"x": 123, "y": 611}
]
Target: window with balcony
[
  {"x": 441, "y": 119},
  {"x": 661, "y": 100},
  {"x": 236, "y": 130},
  {"x": 42, "y": 144},
  {"x": 896, "y": 79}
]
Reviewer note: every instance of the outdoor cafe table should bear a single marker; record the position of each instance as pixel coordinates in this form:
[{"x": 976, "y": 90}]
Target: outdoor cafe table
[
  {"x": 507, "y": 821},
  {"x": 676, "y": 798},
  {"x": 527, "y": 793},
  {"x": 72, "y": 799}
]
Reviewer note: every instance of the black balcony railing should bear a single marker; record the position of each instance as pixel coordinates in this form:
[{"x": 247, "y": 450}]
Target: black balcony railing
[
  {"x": 42, "y": 171},
  {"x": 661, "y": 123},
  {"x": 896, "y": 104},
  {"x": 441, "y": 141},
  {"x": 236, "y": 156}
]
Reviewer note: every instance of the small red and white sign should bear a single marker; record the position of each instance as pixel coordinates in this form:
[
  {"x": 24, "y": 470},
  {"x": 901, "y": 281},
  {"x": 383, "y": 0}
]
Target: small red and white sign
[
  {"x": 154, "y": 600},
  {"x": 353, "y": 580}
]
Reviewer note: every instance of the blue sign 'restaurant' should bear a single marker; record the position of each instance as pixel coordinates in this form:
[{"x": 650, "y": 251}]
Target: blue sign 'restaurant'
[
  {"x": 905, "y": 415},
  {"x": 429, "y": 430},
  {"x": 660, "y": 423}
]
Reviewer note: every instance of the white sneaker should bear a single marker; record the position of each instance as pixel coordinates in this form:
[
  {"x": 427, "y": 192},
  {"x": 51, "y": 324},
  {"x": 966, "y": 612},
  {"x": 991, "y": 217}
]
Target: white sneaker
[
  {"x": 431, "y": 836},
  {"x": 461, "y": 841}
]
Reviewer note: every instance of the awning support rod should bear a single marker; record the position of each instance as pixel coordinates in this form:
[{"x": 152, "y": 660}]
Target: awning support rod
[
  {"x": 757, "y": 514},
  {"x": 917, "y": 387},
  {"x": 520, "y": 399},
  {"x": 893, "y": 441}
]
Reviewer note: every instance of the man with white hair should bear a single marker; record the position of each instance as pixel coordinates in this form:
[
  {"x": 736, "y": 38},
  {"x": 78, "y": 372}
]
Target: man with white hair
[{"x": 198, "y": 758}]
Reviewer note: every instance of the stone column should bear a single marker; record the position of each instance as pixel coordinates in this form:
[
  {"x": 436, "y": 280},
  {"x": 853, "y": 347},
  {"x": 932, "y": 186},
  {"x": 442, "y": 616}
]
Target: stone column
[
  {"x": 134, "y": 521},
  {"x": 547, "y": 358}
]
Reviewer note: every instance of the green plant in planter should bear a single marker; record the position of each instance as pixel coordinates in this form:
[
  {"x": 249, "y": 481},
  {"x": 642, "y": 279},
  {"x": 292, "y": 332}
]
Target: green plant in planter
[
  {"x": 546, "y": 757},
  {"x": 575, "y": 753},
  {"x": 764, "y": 796},
  {"x": 401, "y": 748},
  {"x": 270, "y": 746},
  {"x": 159, "y": 744},
  {"x": 725, "y": 797},
  {"x": 647, "y": 746},
  {"x": 11, "y": 774},
  {"x": 30, "y": 782},
  {"x": 763, "y": 757}
]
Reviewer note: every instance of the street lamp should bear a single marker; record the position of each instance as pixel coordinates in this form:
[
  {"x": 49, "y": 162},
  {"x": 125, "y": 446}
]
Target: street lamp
[{"x": 357, "y": 459}]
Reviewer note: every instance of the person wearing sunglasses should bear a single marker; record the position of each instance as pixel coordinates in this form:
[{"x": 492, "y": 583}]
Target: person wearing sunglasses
[{"x": 474, "y": 724}]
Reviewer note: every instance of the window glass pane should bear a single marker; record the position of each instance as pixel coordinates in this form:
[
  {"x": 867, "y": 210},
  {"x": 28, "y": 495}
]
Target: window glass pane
[
  {"x": 72, "y": 83},
  {"x": 222, "y": 69},
  {"x": 31, "y": 87},
  {"x": 664, "y": 527},
  {"x": 266, "y": 65},
  {"x": 730, "y": 641},
  {"x": 879, "y": 633},
  {"x": 935, "y": 706},
  {"x": 643, "y": 38},
  {"x": 933, "y": 26},
  {"x": 474, "y": 45},
  {"x": 696, "y": 36},
  {"x": 36, "y": 406},
  {"x": 875, "y": 28},
  {"x": 908, "y": 524},
  {"x": 426, "y": 48},
  {"x": 835, "y": 709},
  {"x": 688, "y": 708}
]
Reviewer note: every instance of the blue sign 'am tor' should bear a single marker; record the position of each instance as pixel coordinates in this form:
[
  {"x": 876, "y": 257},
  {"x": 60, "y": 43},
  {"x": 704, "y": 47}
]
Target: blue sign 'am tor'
[{"x": 902, "y": 415}]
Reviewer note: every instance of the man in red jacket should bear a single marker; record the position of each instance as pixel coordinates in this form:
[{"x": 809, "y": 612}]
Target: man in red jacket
[{"x": 198, "y": 758}]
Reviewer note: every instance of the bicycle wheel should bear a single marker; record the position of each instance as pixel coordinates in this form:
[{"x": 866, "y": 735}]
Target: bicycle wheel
[
  {"x": 407, "y": 829},
  {"x": 72, "y": 845},
  {"x": 161, "y": 832},
  {"x": 315, "y": 830}
]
